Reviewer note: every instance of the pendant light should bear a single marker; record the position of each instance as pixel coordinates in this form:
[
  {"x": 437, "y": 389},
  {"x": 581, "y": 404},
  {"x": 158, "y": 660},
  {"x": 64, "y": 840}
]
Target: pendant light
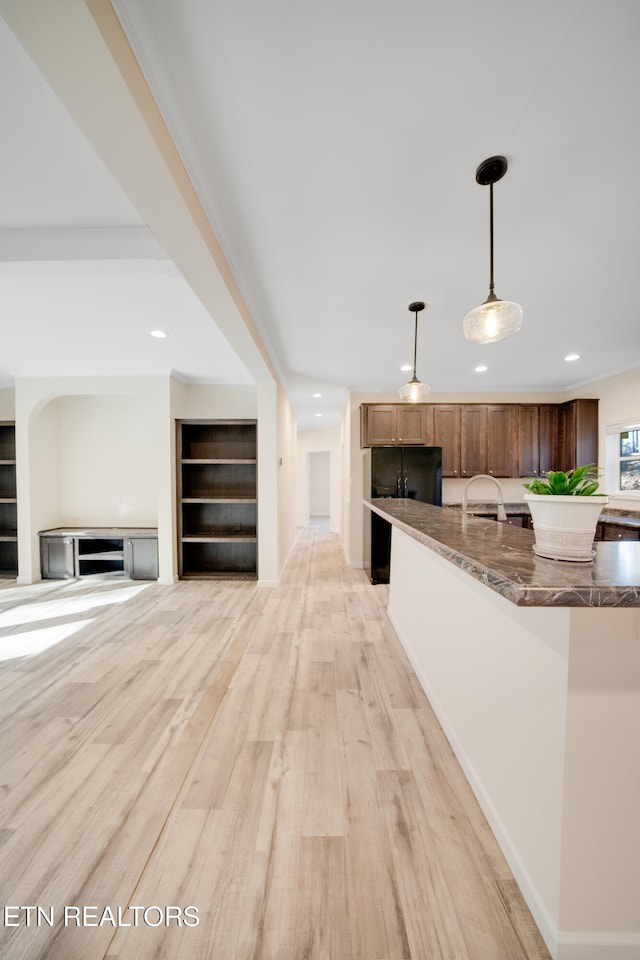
[
  {"x": 494, "y": 319},
  {"x": 415, "y": 391}
]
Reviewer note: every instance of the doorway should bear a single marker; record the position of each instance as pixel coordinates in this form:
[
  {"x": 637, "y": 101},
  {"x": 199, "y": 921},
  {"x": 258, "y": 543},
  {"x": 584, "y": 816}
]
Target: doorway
[{"x": 319, "y": 489}]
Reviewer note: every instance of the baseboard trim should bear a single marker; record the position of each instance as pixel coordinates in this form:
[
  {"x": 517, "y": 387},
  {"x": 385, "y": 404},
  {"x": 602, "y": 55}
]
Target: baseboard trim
[{"x": 598, "y": 946}]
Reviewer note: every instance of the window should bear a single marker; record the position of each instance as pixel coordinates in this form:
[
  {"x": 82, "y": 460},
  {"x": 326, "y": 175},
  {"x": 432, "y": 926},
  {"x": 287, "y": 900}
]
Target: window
[
  {"x": 623, "y": 459},
  {"x": 629, "y": 460}
]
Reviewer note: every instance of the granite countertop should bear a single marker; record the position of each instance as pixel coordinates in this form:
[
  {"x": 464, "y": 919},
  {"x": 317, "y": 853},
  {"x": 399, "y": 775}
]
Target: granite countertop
[
  {"x": 100, "y": 533},
  {"x": 501, "y": 556}
]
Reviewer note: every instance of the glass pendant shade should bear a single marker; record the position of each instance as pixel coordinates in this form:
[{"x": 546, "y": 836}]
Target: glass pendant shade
[
  {"x": 492, "y": 320},
  {"x": 415, "y": 391}
]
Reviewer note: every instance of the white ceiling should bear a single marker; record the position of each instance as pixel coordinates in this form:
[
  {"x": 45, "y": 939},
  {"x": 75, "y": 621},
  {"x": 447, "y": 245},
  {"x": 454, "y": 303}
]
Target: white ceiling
[{"x": 333, "y": 146}]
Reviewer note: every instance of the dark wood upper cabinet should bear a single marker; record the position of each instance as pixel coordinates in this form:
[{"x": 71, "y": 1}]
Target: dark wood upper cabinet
[
  {"x": 411, "y": 424},
  {"x": 549, "y": 437},
  {"x": 446, "y": 434},
  {"x": 473, "y": 440},
  {"x": 501, "y": 439},
  {"x": 391, "y": 424},
  {"x": 377, "y": 424},
  {"x": 578, "y": 433},
  {"x": 538, "y": 439},
  {"x": 487, "y": 439},
  {"x": 529, "y": 440}
]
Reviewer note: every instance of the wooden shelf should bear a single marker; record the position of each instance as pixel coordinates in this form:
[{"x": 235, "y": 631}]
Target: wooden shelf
[
  {"x": 217, "y": 497},
  {"x": 212, "y": 460},
  {"x": 206, "y": 538},
  {"x": 8, "y": 501},
  {"x": 105, "y": 555},
  {"x": 219, "y": 500}
]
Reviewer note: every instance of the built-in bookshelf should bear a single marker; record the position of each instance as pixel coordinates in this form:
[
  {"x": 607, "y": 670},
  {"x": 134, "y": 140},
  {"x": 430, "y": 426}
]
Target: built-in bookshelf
[
  {"x": 217, "y": 498},
  {"x": 8, "y": 501}
]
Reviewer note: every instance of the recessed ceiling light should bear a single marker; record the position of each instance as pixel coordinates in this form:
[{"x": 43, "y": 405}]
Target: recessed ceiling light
[
  {"x": 481, "y": 368},
  {"x": 570, "y": 357},
  {"x": 158, "y": 334},
  {"x": 318, "y": 414},
  {"x": 317, "y": 394},
  {"x": 405, "y": 367}
]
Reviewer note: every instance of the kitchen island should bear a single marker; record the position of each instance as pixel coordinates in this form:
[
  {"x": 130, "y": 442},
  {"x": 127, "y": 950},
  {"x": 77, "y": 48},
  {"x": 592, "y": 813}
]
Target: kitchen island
[{"x": 533, "y": 668}]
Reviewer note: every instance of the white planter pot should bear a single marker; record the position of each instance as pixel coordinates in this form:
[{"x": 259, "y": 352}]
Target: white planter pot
[{"x": 565, "y": 527}]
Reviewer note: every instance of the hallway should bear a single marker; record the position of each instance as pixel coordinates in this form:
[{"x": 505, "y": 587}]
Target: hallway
[{"x": 265, "y": 756}]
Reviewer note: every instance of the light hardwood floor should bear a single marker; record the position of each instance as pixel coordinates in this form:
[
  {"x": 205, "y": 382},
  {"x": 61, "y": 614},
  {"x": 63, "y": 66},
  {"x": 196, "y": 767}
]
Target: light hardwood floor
[{"x": 264, "y": 755}]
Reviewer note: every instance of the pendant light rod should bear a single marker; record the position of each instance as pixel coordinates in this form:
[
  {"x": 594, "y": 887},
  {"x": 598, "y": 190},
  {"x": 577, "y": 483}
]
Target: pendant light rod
[
  {"x": 415, "y": 308},
  {"x": 488, "y": 173},
  {"x": 491, "y": 293}
]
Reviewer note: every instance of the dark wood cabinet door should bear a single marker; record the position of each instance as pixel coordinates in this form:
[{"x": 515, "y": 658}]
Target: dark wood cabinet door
[
  {"x": 411, "y": 424},
  {"x": 549, "y": 438},
  {"x": 473, "y": 440},
  {"x": 446, "y": 434},
  {"x": 578, "y": 433},
  {"x": 378, "y": 424},
  {"x": 586, "y": 441},
  {"x": 387, "y": 424},
  {"x": 528, "y": 440},
  {"x": 501, "y": 436}
]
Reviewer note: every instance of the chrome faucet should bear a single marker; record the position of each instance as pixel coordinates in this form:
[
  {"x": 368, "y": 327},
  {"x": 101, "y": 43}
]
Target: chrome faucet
[{"x": 502, "y": 514}]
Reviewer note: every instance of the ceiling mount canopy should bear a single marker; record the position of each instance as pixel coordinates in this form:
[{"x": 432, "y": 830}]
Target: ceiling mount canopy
[
  {"x": 494, "y": 319},
  {"x": 415, "y": 391}
]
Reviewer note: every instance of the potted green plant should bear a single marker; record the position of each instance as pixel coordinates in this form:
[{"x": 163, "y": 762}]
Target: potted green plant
[{"x": 565, "y": 508}]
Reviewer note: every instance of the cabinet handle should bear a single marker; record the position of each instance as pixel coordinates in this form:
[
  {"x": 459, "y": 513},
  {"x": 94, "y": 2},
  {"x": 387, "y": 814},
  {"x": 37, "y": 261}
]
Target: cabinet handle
[{"x": 490, "y": 471}]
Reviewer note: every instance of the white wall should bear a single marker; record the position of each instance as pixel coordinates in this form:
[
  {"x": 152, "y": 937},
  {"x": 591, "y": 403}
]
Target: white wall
[
  {"x": 285, "y": 455},
  {"x": 619, "y": 398},
  {"x": 195, "y": 401},
  {"x": 38, "y": 474},
  {"x": 319, "y": 474},
  {"x": 600, "y": 880},
  {"x": 107, "y": 461},
  {"x": 316, "y": 441},
  {"x": 7, "y": 403},
  {"x": 345, "y": 475}
]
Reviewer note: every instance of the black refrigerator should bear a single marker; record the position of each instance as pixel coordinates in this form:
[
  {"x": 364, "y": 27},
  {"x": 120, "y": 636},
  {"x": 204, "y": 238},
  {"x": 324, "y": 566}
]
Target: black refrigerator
[{"x": 413, "y": 472}]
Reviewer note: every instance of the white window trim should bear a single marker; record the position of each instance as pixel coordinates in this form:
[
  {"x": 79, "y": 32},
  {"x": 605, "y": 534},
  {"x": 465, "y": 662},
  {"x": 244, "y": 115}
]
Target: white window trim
[{"x": 612, "y": 458}]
